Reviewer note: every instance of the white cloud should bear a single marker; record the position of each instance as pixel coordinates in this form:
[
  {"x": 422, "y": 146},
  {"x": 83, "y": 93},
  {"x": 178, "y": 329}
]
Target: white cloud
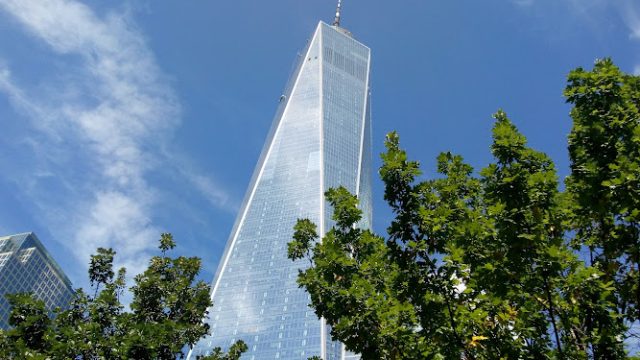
[
  {"x": 109, "y": 114},
  {"x": 630, "y": 13},
  {"x": 625, "y": 12},
  {"x": 628, "y": 10},
  {"x": 20, "y": 100},
  {"x": 211, "y": 191},
  {"x": 122, "y": 219}
]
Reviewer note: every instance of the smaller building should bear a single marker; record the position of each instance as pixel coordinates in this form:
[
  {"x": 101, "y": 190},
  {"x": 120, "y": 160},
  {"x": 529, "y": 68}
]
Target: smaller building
[{"x": 26, "y": 266}]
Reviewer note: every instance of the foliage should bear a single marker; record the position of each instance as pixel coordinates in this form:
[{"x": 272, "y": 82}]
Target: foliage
[
  {"x": 604, "y": 146},
  {"x": 499, "y": 265},
  {"x": 166, "y": 314}
]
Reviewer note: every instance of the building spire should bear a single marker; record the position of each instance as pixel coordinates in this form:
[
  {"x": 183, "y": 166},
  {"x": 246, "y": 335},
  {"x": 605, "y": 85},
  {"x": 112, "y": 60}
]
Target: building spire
[{"x": 336, "y": 21}]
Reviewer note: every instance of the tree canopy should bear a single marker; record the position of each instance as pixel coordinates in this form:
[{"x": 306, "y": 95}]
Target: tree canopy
[
  {"x": 499, "y": 264},
  {"x": 165, "y": 315}
]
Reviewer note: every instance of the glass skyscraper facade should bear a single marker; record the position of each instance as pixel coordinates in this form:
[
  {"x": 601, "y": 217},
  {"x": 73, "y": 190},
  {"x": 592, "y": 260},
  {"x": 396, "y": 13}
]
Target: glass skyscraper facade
[
  {"x": 26, "y": 266},
  {"x": 320, "y": 138}
]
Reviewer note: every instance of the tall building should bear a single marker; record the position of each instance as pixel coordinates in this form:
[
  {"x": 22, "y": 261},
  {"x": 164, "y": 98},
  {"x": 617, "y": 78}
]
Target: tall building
[
  {"x": 26, "y": 266},
  {"x": 320, "y": 138}
]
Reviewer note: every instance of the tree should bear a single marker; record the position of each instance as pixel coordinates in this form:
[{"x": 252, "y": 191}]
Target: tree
[
  {"x": 166, "y": 313},
  {"x": 491, "y": 266},
  {"x": 604, "y": 147}
]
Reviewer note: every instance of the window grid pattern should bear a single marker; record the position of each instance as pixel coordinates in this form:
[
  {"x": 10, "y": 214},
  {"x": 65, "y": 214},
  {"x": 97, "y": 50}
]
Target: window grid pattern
[
  {"x": 257, "y": 298},
  {"x": 345, "y": 117},
  {"x": 26, "y": 266},
  {"x": 255, "y": 293}
]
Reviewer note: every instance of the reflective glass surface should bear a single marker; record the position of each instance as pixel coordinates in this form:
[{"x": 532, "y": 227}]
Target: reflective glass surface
[
  {"x": 26, "y": 266},
  {"x": 316, "y": 142}
]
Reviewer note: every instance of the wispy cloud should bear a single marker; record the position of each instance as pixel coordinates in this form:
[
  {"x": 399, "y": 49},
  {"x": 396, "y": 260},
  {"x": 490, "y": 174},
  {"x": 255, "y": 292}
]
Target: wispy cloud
[
  {"x": 108, "y": 115},
  {"x": 205, "y": 185},
  {"x": 599, "y": 16},
  {"x": 630, "y": 12},
  {"x": 523, "y": 3}
]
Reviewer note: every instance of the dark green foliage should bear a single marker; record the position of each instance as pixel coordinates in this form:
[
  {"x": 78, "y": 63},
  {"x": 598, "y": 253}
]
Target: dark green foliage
[
  {"x": 492, "y": 266},
  {"x": 604, "y": 146},
  {"x": 166, "y": 314},
  {"x": 101, "y": 267},
  {"x": 31, "y": 321},
  {"x": 234, "y": 353},
  {"x": 304, "y": 234}
]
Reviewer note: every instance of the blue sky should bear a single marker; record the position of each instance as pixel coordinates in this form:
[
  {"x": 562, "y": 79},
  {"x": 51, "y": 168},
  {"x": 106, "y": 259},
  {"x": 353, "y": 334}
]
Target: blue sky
[{"x": 123, "y": 119}]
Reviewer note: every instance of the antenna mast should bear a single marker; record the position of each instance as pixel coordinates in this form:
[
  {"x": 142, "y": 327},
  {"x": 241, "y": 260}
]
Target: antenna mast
[{"x": 336, "y": 21}]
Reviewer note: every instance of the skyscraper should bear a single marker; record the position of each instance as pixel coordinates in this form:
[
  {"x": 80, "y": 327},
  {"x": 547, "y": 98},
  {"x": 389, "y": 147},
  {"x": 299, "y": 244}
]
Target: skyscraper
[
  {"x": 320, "y": 138},
  {"x": 26, "y": 266}
]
